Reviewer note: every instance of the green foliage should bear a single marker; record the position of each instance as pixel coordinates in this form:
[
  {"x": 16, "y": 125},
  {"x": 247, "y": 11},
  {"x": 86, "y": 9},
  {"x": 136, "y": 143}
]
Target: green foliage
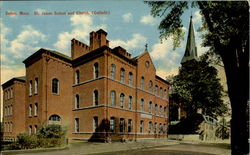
[
  {"x": 48, "y": 136},
  {"x": 198, "y": 87},
  {"x": 51, "y": 131}
]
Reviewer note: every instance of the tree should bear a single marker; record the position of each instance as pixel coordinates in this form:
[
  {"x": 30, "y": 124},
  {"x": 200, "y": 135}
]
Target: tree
[
  {"x": 227, "y": 34},
  {"x": 198, "y": 87}
]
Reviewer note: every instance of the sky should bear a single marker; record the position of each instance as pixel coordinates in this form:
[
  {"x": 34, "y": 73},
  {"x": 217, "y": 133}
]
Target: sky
[{"x": 128, "y": 24}]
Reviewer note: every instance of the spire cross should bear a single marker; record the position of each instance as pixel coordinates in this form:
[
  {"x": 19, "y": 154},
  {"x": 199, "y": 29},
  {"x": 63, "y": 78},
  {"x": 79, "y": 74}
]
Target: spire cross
[{"x": 146, "y": 47}]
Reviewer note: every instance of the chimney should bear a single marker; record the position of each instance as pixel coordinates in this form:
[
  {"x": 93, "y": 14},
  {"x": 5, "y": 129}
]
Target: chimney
[
  {"x": 78, "y": 49},
  {"x": 98, "y": 39}
]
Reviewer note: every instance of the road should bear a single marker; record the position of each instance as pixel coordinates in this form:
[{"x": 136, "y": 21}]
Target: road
[{"x": 163, "y": 147}]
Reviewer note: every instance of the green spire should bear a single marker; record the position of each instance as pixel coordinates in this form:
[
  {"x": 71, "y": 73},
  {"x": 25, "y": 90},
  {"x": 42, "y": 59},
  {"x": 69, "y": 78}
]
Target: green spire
[{"x": 191, "y": 50}]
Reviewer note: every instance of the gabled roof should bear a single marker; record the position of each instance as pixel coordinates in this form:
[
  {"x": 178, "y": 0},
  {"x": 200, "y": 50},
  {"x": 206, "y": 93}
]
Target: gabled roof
[
  {"x": 50, "y": 52},
  {"x": 11, "y": 81},
  {"x": 161, "y": 79}
]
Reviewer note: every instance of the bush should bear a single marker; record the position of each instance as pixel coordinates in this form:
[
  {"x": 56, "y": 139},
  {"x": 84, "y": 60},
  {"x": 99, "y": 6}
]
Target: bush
[{"x": 47, "y": 136}]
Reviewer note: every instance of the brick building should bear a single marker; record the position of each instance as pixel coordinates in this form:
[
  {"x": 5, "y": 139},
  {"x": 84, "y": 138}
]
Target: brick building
[{"x": 97, "y": 93}]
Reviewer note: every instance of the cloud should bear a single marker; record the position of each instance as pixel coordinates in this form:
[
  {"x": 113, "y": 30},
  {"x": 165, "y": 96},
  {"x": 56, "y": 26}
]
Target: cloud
[
  {"x": 82, "y": 25},
  {"x": 128, "y": 17},
  {"x": 136, "y": 41},
  {"x": 25, "y": 42},
  {"x": 148, "y": 20},
  {"x": 197, "y": 17},
  {"x": 163, "y": 73}
]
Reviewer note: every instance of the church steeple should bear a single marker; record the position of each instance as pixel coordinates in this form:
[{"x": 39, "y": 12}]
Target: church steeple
[{"x": 191, "y": 50}]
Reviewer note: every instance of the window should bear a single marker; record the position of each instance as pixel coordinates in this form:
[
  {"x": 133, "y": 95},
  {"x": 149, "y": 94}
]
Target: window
[
  {"x": 122, "y": 75},
  {"x": 30, "y": 88},
  {"x": 161, "y": 92},
  {"x": 142, "y": 82},
  {"x": 95, "y": 123},
  {"x": 150, "y": 126},
  {"x": 165, "y": 111},
  {"x": 55, "y": 86},
  {"x": 122, "y": 100},
  {"x": 165, "y": 93},
  {"x": 150, "y": 107},
  {"x": 129, "y": 125},
  {"x": 77, "y": 101},
  {"x": 160, "y": 110},
  {"x": 10, "y": 126},
  {"x": 6, "y": 95},
  {"x": 95, "y": 98},
  {"x": 122, "y": 125},
  {"x": 130, "y": 102},
  {"x": 8, "y": 92},
  {"x": 112, "y": 124},
  {"x": 30, "y": 110},
  {"x": 96, "y": 70},
  {"x": 35, "y": 129},
  {"x": 141, "y": 126},
  {"x": 54, "y": 119},
  {"x": 35, "y": 109},
  {"x": 155, "y": 130},
  {"x": 77, "y": 129},
  {"x": 113, "y": 71},
  {"x": 151, "y": 86},
  {"x": 142, "y": 104},
  {"x": 11, "y": 93},
  {"x": 5, "y": 111},
  {"x": 130, "y": 80},
  {"x": 36, "y": 86},
  {"x": 11, "y": 110},
  {"x": 77, "y": 77},
  {"x": 30, "y": 130},
  {"x": 113, "y": 98},
  {"x": 156, "y": 90},
  {"x": 156, "y": 109},
  {"x": 160, "y": 128}
]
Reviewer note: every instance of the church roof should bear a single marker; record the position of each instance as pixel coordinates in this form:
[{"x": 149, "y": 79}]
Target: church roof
[{"x": 191, "y": 50}]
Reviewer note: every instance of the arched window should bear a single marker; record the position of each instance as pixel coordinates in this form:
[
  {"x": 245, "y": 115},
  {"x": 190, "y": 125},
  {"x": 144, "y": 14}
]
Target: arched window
[
  {"x": 95, "y": 97},
  {"x": 30, "y": 130},
  {"x": 122, "y": 124},
  {"x": 30, "y": 88},
  {"x": 161, "y": 92},
  {"x": 77, "y": 101},
  {"x": 165, "y": 94},
  {"x": 160, "y": 111},
  {"x": 122, "y": 100},
  {"x": 142, "y": 82},
  {"x": 55, "y": 86},
  {"x": 141, "y": 126},
  {"x": 54, "y": 119},
  {"x": 11, "y": 93},
  {"x": 36, "y": 85},
  {"x": 95, "y": 123},
  {"x": 35, "y": 109},
  {"x": 130, "y": 102},
  {"x": 113, "y": 71},
  {"x": 151, "y": 86},
  {"x": 142, "y": 104},
  {"x": 77, "y": 126},
  {"x": 150, "y": 126},
  {"x": 30, "y": 110},
  {"x": 96, "y": 70},
  {"x": 112, "y": 98},
  {"x": 130, "y": 75},
  {"x": 122, "y": 75},
  {"x": 156, "y": 90},
  {"x": 77, "y": 77},
  {"x": 156, "y": 109},
  {"x": 150, "y": 107}
]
